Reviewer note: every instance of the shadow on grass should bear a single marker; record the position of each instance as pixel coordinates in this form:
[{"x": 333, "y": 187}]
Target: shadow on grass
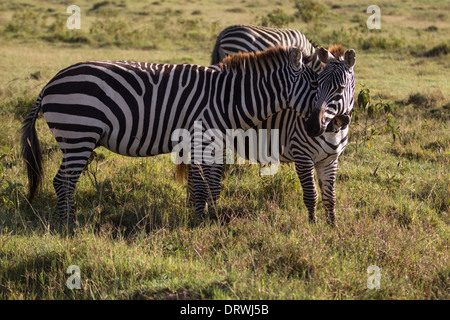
[
  {"x": 32, "y": 276},
  {"x": 208, "y": 291},
  {"x": 122, "y": 210}
]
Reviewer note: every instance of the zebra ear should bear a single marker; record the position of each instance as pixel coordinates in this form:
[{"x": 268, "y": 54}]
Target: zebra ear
[
  {"x": 324, "y": 55},
  {"x": 349, "y": 58},
  {"x": 295, "y": 58}
]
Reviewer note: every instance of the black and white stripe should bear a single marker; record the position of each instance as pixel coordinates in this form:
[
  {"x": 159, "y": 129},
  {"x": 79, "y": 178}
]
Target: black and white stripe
[{"x": 132, "y": 108}]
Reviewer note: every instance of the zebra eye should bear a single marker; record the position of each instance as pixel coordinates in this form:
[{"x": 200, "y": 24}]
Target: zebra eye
[{"x": 341, "y": 89}]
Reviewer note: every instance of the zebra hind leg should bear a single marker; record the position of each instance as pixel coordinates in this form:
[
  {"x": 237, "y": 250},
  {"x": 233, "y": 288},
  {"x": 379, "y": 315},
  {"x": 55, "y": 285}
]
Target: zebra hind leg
[
  {"x": 215, "y": 184},
  {"x": 206, "y": 181},
  {"x": 199, "y": 177},
  {"x": 65, "y": 182}
]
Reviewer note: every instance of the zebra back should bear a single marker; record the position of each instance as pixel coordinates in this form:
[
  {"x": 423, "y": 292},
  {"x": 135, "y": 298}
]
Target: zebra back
[{"x": 249, "y": 38}]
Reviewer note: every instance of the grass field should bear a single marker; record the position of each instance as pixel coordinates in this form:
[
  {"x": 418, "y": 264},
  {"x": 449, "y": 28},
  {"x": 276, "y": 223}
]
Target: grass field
[{"x": 137, "y": 239}]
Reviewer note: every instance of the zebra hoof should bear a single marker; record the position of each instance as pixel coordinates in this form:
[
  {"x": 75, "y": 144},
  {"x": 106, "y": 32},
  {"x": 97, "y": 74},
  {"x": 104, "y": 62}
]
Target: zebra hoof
[
  {"x": 199, "y": 219},
  {"x": 331, "y": 221},
  {"x": 68, "y": 224}
]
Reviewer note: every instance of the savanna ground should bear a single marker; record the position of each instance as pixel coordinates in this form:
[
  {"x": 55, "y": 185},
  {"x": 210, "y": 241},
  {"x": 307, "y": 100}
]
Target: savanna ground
[{"x": 137, "y": 239}]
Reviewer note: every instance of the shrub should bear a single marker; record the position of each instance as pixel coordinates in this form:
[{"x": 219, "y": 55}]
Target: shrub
[
  {"x": 309, "y": 10},
  {"x": 425, "y": 101},
  {"x": 25, "y": 24},
  {"x": 106, "y": 8},
  {"x": 277, "y": 18},
  {"x": 372, "y": 118},
  {"x": 347, "y": 37},
  {"x": 432, "y": 28},
  {"x": 377, "y": 42},
  {"x": 57, "y": 31},
  {"x": 106, "y": 32},
  {"x": 438, "y": 50}
]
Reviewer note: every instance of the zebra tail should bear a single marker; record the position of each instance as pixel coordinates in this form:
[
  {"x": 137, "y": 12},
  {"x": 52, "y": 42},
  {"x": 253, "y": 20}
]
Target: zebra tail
[
  {"x": 181, "y": 171},
  {"x": 31, "y": 150}
]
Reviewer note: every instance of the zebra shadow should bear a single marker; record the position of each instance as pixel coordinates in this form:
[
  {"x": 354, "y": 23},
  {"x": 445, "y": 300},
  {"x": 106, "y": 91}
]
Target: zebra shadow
[
  {"x": 122, "y": 209},
  {"x": 128, "y": 209}
]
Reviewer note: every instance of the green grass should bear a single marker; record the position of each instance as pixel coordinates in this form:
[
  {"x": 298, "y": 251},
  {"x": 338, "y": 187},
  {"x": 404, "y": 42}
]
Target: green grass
[{"x": 137, "y": 239}]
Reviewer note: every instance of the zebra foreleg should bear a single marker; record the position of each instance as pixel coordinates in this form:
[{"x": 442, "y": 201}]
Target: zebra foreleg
[
  {"x": 326, "y": 173},
  {"x": 305, "y": 172}
]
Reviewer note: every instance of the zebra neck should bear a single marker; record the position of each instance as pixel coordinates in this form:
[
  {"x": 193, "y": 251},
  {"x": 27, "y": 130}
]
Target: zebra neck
[
  {"x": 303, "y": 97},
  {"x": 244, "y": 100}
]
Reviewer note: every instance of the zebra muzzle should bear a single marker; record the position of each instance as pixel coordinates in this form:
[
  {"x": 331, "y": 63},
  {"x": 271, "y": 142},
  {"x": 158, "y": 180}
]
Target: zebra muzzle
[
  {"x": 338, "y": 123},
  {"x": 343, "y": 120},
  {"x": 314, "y": 124}
]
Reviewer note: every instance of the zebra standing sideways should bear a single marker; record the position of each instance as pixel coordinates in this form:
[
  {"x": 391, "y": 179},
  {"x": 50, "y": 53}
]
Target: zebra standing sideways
[
  {"x": 307, "y": 152},
  {"x": 132, "y": 108}
]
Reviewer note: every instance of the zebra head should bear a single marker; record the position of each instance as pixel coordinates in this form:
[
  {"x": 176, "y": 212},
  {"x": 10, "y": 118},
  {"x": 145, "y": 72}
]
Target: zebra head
[{"x": 336, "y": 87}]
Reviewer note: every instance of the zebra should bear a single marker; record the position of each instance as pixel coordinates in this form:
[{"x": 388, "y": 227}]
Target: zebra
[
  {"x": 249, "y": 38},
  {"x": 132, "y": 108},
  {"x": 306, "y": 152}
]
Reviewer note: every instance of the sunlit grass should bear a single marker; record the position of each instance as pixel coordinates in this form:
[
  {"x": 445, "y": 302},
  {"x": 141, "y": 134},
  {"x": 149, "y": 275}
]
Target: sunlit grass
[{"x": 137, "y": 238}]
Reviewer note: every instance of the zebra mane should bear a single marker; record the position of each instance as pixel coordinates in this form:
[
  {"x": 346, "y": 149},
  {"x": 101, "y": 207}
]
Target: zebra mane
[
  {"x": 235, "y": 62},
  {"x": 337, "y": 51}
]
